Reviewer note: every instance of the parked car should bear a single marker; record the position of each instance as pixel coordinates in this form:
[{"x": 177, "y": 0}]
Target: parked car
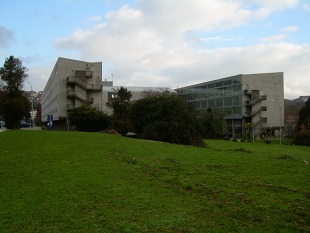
[
  {"x": 25, "y": 124},
  {"x": 2, "y": 124}
]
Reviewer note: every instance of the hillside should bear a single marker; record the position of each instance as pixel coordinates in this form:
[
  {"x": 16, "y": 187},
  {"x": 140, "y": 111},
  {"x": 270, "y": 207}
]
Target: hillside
[{"x": 92, "y": 182}]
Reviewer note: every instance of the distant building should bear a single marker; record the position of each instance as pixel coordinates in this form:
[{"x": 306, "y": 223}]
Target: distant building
[
  {"x": 137, "y": 92},
  {"x": 256, "y": 98},
  {"x": 32, "y": 97}
]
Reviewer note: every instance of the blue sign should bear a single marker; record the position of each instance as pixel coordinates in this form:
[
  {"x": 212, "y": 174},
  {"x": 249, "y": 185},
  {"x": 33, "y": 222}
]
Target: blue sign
[{"x": 50, "y": 122}]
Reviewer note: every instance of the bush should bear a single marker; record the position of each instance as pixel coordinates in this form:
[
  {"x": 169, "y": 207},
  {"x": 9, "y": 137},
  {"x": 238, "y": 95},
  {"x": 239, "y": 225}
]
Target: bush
[
  {"x": 165, "y": 117},
  {"x": 302, "y": 139},
  {"x": 89, "y": 119}
]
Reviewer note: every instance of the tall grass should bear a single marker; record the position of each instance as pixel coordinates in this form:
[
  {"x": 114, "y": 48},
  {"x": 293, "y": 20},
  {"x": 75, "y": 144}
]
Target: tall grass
[{"x": 91, "y": 182}]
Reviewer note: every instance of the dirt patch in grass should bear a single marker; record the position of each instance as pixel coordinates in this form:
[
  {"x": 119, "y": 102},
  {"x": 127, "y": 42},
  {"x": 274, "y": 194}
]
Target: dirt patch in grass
[
  {"x": 285, "y": 157},
  {"x": 241, "y": 149}
]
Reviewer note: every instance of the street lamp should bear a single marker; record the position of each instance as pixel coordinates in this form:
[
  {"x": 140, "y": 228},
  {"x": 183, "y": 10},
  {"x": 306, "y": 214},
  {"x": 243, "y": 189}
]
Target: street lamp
[
  {"x": 31, "y": 103},
  {"x": 274, "y": 100}
]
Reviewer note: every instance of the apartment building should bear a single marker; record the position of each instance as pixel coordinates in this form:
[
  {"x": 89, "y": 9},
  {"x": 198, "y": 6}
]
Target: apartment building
[
  {"x": 71, "y": 83},
  {"x": 245, "y": 98}
]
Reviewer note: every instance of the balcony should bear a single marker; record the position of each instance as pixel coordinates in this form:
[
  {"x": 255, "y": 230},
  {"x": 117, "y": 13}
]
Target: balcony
[
  {"x": 247, "y": 92},
  {"x": 80, "y": 96},
  {"x": 247, "y": 104},
  {"x": 70, "y": 106},
  {"x": 89, "y": 74},
  {"x": 252, "y": 114},
  {"x": 81, "y": 83}
]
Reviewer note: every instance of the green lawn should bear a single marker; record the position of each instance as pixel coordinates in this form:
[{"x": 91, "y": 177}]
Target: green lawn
[{"x": 90, "y": 182}]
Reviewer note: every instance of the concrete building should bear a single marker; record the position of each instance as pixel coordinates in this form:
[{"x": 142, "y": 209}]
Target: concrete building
[
  {"x": 71, "y": 84},
  {"x": 256, "y": 98}
]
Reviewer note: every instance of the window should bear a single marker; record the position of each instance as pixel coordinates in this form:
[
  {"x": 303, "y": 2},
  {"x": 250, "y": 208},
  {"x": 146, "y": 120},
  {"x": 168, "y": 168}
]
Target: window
[
  {"x": 218, "y": 92},
  {"x": 227, "y": 111},
  {"x": 111, "y": 95},
  {"x": 228, "y": 90},
  {"x": 219, "y": 103},
  {"x": 264, "y": 108},
  {"x": 237, "y": 110},
  {"x": 236, "y": 100},
  {"x": 227, "y": 102},
  {"x": 210, "y": 85},
  {"x": 264, "y": 119},
  {"x": 211, "y": 94},
  {"x": 237, "y": 89},
  {"x": 210, "y": 103},
  {"x": 204, "y": 104}
]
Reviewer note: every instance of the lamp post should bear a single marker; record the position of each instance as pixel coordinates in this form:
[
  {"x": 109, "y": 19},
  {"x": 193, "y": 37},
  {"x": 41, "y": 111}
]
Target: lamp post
[
  {"x": 31, "y": 103},
  {"x": 274, "y": 100}
]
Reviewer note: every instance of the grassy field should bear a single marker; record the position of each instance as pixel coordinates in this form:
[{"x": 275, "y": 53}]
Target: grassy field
[{"x": 90, "y": 182}]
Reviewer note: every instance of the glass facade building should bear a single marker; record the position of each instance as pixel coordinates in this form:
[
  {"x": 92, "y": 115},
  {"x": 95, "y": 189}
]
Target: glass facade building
[
  {"x": 225, "y": 94},
  {"x": 243, "y": 98}
]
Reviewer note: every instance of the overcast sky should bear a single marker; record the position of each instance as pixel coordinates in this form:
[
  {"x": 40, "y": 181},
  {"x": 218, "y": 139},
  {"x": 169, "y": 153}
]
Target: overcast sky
[{"x": 170, "y": 43}]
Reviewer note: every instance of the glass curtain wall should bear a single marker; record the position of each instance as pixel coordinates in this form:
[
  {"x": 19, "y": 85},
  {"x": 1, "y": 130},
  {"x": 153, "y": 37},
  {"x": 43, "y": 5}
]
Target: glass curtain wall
[{"x": 223, "y": 94}]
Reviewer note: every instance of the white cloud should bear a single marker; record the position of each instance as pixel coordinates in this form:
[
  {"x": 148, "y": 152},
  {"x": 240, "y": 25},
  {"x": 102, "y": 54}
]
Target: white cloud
[
  {"x": 6, "y": 37},
  {"x": 94, "y": 18},
  {"x": 289, "y": 29},
  {"x": 275, "y": 4},
  {"x": 146, "y": 46},
  {"x": 306, "y": 7},
  {"x": 273, "y": 39},
  {"x": 38, "y": 77}
]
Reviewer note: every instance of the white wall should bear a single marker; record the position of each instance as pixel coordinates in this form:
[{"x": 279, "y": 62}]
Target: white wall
[{"x": 271, "y": 85}]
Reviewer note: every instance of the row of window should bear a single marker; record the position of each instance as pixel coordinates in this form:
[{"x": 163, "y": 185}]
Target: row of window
[
  {"x": 219, "y": 84},
  {"x": 218, "y": 103},
  {"x": 218, "y": 92}
]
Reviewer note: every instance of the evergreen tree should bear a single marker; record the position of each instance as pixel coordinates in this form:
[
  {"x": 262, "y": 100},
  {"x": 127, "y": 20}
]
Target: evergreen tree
[{"x": 14, "y": 105}]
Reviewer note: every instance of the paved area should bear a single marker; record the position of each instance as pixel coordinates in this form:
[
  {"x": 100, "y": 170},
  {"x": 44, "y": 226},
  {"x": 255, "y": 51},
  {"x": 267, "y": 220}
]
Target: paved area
[
  {"x": 32, "y": 128},
  {"x": 2, "y": 129}
]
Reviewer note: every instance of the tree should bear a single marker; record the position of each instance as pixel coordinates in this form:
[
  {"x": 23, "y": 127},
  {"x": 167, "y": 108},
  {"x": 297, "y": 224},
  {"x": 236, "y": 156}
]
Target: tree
[
  {"x": 165, "y": 117},
  {"x": 304, "y": 117},
  {"x": 88, "y": 118},
  {"x": 120, "y": 104},
  {"x": 14, "y": 105},
  {"x": 213, "y": 123},
  {"x": 39, "y": 114},
  {"x": 303, "y": 135}
]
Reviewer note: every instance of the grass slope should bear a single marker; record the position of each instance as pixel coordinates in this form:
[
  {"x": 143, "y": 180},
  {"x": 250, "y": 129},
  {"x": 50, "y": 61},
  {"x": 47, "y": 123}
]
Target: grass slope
[{"x": 91, "y": 182}]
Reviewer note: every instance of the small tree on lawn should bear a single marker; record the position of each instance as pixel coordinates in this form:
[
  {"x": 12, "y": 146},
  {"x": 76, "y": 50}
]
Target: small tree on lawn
[{"x": 120, "y": 104}]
